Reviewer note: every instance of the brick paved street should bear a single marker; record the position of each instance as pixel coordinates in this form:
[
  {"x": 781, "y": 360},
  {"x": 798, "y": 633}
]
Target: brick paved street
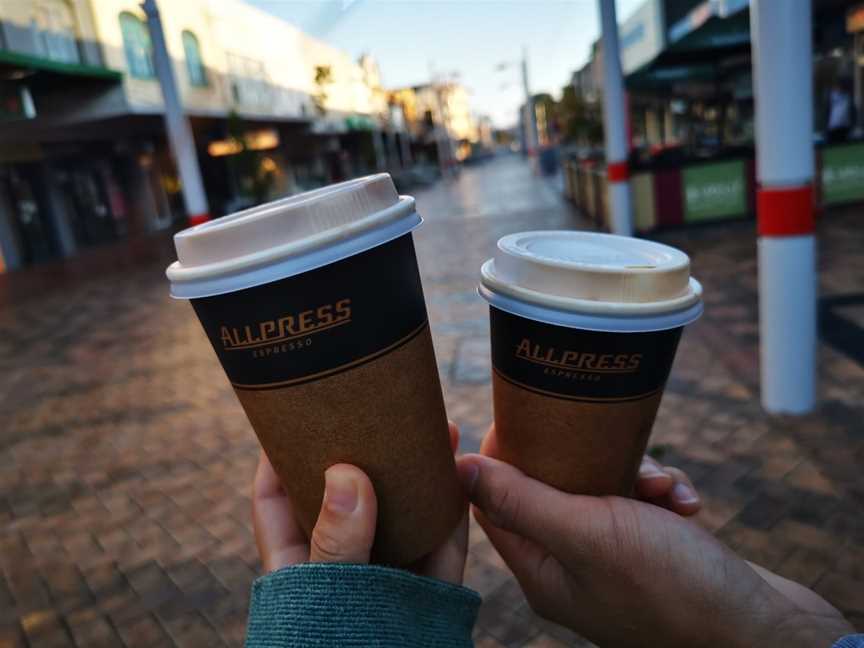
[{"x": 126, "y": 460}]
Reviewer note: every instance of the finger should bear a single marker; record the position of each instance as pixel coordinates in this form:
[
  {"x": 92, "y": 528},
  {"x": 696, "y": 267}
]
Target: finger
[
  {"x": 514, "y": 502},
  {"x": 530, "y": 563},
  {"x": 447, "y": 563},
  {"x": 667, "y": 487},
  {"x": 489, "y": 444},
  {"x": 652, "y": 481},
  {"x": 281, "y": 541},
  {"x": 454, "y": 436},
  {"x": 345, "y": 528},
  {"x": 682, "y": 498},
  {"x": 681, "y": 477}
]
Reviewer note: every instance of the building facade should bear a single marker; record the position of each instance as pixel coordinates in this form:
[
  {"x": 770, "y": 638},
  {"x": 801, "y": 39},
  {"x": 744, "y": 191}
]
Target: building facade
[
  {"x": 439, "y": 120},
  {"x": 84, "y": 159}
]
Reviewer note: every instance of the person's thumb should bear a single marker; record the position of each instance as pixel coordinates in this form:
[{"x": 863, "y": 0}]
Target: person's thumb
[
  {"x": 345, "y": 528},
  {"x": 512, "y": 501}
]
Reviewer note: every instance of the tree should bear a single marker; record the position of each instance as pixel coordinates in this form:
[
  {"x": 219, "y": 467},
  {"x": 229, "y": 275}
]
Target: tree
[
  {"x": 579, "y": 120},
  {"x": 323, "y": 78}
]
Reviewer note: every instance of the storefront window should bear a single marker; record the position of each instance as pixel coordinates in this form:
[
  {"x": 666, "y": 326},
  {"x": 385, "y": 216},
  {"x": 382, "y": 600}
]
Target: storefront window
[
  {"x": 137, "y": 46},
  {"x": 248, "y": 77},
  {"x": 194, "y": 62}
]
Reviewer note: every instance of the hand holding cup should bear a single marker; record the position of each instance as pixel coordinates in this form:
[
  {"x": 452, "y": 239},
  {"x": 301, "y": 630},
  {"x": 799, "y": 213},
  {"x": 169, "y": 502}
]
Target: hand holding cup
[
  {"x": 345, "y": 529},
  {"x": 627, "y": 573}
]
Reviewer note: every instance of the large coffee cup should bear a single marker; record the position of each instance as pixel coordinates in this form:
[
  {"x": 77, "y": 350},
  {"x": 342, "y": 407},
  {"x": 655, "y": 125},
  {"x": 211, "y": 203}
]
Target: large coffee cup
[
  {"x": 584, "y": 330},
  {"x": 314, "y": 307}
]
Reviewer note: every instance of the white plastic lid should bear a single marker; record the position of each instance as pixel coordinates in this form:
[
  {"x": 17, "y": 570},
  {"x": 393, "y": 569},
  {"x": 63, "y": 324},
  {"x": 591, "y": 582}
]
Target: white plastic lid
[
  {"x": 289, "y": 236},
  {"x": 592, "y": 274}
]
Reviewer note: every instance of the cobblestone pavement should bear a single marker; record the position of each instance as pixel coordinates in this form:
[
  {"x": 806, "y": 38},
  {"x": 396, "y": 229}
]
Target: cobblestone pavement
[{"x": 126, "y": 460}]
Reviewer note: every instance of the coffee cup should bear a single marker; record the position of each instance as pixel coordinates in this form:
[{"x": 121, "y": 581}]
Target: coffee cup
[
  {"x": 584, "y": 330},
  {"x": 315, "y": 309}
]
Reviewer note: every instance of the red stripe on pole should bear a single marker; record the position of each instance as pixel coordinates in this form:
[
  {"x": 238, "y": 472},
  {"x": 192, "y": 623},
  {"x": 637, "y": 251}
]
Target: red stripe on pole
[
  {"x": 197, "y": 219},
  {"x": 785, "y": 212},
  {"x": 617, "y": 171}
]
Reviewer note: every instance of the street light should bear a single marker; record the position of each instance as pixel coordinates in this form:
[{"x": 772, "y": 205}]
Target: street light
[
  {"x": 531, "y": 135},
  {"x": 614, "y": 120},
  {"x": 179, "y": 131}
]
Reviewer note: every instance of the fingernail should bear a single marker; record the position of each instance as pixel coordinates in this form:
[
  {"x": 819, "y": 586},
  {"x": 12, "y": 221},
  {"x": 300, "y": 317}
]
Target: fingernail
[
  {"x": 650, "y": 471},
  {"x": 340, "y": 492},
  {"x": 468, "y": 472},
  {"x": 684, "y": 494}
]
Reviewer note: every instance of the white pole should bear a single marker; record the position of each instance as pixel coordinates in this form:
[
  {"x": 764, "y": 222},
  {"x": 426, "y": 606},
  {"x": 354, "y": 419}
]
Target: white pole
[
  {"x": 782, "y": 68},
  {"x": 615, "y": 124},
  {"x": 179, "y": 132},
  {"x": 532, "y": 137}
]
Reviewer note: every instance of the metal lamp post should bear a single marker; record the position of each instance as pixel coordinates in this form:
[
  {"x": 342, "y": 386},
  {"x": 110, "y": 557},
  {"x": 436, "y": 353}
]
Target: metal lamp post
[
  {"x": 179, "y": 132},
  {"x": 615, "y": 124},
  {"x": 782, "y": 67},
  {"x": 530, "y": 116}
]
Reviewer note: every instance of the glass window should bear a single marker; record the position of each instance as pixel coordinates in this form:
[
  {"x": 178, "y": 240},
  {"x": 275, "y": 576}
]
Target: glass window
[
  {"x": 56, "y": 31},
  {"x": 248, "y": 78},
  {"x": 194, "y": 62},
  {"x": 136, "y": 45}
]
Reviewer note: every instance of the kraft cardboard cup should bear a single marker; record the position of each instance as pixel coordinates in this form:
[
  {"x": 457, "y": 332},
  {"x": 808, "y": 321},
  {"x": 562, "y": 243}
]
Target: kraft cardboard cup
[
  {"x": 584, "y": 331},
  {"x": 314, "y": 306}
]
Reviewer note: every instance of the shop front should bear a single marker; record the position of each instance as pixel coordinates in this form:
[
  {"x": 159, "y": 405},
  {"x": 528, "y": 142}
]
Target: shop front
[
  {"x": 62, "y": 187},
  {"x": 713, "y": 190},
  {"x": 28, "y": 234},
  {"x": 695, "y": 163},
  {"x": 841, "y": 173}
]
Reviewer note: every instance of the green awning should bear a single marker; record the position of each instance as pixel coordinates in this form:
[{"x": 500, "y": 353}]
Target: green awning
[
  {"x": 359, "y": 123},
  {"x": 37, "y": 63}
]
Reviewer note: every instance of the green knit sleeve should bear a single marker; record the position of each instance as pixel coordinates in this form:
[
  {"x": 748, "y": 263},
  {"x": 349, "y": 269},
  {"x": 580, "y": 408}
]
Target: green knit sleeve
[{"x": 334, "y": 605}]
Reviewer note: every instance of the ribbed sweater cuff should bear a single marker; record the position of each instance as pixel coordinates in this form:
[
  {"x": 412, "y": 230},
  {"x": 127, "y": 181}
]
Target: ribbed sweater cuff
[
  {"x": 850, "y": 641},
  {"x": 334, "y": 605}
]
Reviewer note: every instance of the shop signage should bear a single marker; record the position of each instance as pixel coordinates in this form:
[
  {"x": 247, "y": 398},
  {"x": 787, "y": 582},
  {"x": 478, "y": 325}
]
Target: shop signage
[
  {"x": 698, "y": 18},
  {"x": 726, "y": 8},
  {"x": 714, "y": 191},
  {"x": 691, "y": 22},
  {"x": 641, "y": 36},
  {"x": 843, "y": 174}
]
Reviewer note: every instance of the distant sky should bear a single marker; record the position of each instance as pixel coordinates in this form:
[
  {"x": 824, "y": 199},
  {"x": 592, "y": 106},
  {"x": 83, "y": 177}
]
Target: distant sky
[{"x": 469, "y": 37}]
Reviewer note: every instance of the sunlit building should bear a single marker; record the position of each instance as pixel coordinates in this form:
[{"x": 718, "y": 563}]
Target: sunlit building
[
  {"x": 439, "y": 117},
  {"x": 84, "y": 159}
]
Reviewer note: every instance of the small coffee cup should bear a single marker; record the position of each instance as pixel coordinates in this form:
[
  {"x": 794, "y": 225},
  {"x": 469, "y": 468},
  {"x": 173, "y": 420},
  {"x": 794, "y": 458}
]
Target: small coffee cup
[{"x": 584, "y": 330}]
